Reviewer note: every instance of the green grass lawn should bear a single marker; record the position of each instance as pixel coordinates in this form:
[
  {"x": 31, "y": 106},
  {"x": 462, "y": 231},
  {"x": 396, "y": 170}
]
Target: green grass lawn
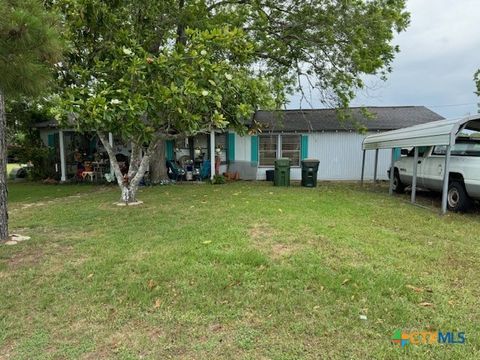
[{"x": 242, "y": 270}]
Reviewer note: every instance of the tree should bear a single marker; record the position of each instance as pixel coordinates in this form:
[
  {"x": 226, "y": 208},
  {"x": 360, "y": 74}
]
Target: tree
[
  {"x": 29, "y": 44},
  {"x": 176, "y": 68},
  {"x": 182, "y": 90}
]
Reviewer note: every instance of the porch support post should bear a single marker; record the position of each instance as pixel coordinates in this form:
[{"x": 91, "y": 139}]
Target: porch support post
[
  {"x": 392, "y": 172},
  {"x": 414, "y": 175},
  {"x": 376, "y": 167},
  {"x": 212, "y": 154},
  {"x": 110, "y": 141},
  {"x": 63, "y": 165},
  {"x": 363, "y": 168},
  {"x": 446, "y": 175}
]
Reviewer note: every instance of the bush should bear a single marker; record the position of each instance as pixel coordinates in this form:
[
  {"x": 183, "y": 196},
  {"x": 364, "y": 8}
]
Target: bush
[
  {"x": 218, "y": 180},
  {"x": 40, "y": 158}
]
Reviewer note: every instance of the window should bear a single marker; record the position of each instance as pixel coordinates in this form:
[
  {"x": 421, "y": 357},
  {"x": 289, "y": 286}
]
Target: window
[
  {"x": 459, "y": 149},
  {"x": 272, "y": 147},
  {"x": 267, "y": 149},
  {"x": 421, "y": 151},
  {"x": 291, "y": 148},
  {"x": 439, "y": 150}
]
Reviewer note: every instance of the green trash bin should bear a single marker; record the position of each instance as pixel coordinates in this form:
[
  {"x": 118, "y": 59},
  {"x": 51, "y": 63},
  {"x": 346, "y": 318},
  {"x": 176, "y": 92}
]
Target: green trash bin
[
  {"x": 309, "y": 172},
  {"x": 282, "y": 172}
]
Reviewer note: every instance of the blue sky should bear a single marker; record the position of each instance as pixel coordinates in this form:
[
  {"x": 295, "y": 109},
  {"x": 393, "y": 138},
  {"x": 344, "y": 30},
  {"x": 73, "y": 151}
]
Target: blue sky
[{"x": 440, "y": 51}]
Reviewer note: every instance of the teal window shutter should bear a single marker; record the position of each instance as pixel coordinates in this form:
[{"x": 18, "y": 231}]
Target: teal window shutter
[
  {"x": 231, "y": 146},
  {"x": 51, "y": 140},
  {"x": 169, "y": 149},
  {"x": 254, "y": 148},
  {"x": 304, "y": 147},
  {"x": 397, "y": 153}
]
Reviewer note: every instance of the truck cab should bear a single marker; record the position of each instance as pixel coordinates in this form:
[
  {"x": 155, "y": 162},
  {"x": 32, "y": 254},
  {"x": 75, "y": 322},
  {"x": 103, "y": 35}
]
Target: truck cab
[{"x": 464, "y": 174}]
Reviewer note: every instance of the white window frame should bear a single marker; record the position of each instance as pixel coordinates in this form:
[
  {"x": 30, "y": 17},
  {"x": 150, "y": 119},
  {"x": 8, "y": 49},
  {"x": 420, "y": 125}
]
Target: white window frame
[{"x": 278, "y": 152}]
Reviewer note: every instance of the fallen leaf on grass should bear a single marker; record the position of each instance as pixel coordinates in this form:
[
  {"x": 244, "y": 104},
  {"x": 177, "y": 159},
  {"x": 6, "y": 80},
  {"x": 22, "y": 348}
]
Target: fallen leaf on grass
[
  {"x": 426, "y": 304},
  {"x": 151, "y": 284},
  {"x": 414, "y": 288},
  {"x": 451, "y": 302},
  {"x": 280, "y": 210},
  {"x": 345, "y": 281},
  {"x": 157, "y": 304},
  {"x": 207, "y": 242},
  {"x": 89, "y": 276}
]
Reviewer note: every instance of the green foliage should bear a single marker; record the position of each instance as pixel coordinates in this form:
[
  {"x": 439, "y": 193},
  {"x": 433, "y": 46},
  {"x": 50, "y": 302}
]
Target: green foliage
[
  {"x": 40, "y": 158},
  {"x": 180, "y": 67},
  {"x": 218, "y": 180},
  {"x": 29, "y": 45},
  {"x": 136, "y": 94},
  {"x": 22, "y": 115},
  {"x": 23, "y": 139}
]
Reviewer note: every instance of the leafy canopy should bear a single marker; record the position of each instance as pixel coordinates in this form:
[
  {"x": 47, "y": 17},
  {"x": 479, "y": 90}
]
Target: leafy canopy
[
  {"x": 29, "y": 45},
  {"x": 179, "y": 66},
  {"x": 116, "y": 84}
]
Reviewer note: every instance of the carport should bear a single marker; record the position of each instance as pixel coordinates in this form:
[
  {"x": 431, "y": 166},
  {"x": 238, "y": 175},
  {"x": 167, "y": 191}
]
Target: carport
[{"x": 441, "y": 132}]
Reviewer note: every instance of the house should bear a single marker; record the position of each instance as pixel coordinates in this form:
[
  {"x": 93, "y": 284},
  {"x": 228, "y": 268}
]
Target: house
[{"x": 296, "y": 134}]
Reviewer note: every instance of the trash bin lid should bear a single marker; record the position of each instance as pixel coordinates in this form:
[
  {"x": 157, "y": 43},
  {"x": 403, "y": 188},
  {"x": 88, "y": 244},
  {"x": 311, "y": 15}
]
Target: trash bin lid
[
  {"x": 310, "y": 162},
  {"x": 282, "y": 162}
]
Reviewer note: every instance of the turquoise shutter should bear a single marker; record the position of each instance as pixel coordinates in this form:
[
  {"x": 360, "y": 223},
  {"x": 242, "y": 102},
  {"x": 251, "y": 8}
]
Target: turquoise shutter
[
  {"x": 397, "y": 153},
  {"x": 254, "y": 149},
  {"x": 51, "y": 140},
  {"x": 304, "y": 146},
  {"x": 169, "y": 149},
  {"x": 231, "y": 147},
  {"x": 92, "y": 145}
]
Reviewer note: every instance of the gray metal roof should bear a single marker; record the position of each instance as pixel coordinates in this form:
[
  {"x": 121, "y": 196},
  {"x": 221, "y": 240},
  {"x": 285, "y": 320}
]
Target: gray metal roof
[
  {"x": 441, "y": 132},
  {"x": 385, "y": 118},
  {"x": 314, "y": 120}
]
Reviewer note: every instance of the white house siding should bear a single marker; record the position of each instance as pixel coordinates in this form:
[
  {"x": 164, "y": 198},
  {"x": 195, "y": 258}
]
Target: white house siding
[{"x": 340, "y": 155}]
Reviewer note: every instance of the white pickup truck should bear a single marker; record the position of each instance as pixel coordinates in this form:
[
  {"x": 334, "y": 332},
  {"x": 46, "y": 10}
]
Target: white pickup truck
[{"x": 464, "y": 177}]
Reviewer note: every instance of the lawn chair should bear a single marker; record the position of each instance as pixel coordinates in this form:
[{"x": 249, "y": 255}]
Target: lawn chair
[{"x": 174, "y": 171}]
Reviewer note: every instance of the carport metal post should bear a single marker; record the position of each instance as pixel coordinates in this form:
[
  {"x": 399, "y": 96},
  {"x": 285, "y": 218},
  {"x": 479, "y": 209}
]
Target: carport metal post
[
  {"x": 392, "y": 173},
  {"x": 363, "y": 167},
  {"x": 414, "y": 175},
  {"x": 446, "y": 175},
  {"x": 376, "y": 166}
]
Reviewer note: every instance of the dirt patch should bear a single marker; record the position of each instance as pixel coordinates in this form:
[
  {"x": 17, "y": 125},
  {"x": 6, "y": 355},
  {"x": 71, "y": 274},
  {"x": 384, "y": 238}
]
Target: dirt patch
[
  {"x": 271, "y": 242},
  {"x": 26, "y": 258},
  {"x": 261, "y": 232}
]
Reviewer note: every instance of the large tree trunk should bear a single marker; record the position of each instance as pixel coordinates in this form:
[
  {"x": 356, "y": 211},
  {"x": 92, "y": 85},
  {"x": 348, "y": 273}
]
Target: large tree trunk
[
  {"x": 128, "y": 183},
  {"x": 158, "y": 169},
  {"x": 3, "y": 172}
]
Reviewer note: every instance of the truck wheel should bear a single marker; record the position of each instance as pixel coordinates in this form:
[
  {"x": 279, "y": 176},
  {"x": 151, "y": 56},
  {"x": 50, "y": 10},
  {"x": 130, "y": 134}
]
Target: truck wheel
[
  {"x": 398, "y": 186},
  {"x": 457, "y": 197}
]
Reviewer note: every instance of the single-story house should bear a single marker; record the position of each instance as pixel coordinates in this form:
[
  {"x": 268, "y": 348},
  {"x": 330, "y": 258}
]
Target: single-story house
[{"x": 296, "y": 134}]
